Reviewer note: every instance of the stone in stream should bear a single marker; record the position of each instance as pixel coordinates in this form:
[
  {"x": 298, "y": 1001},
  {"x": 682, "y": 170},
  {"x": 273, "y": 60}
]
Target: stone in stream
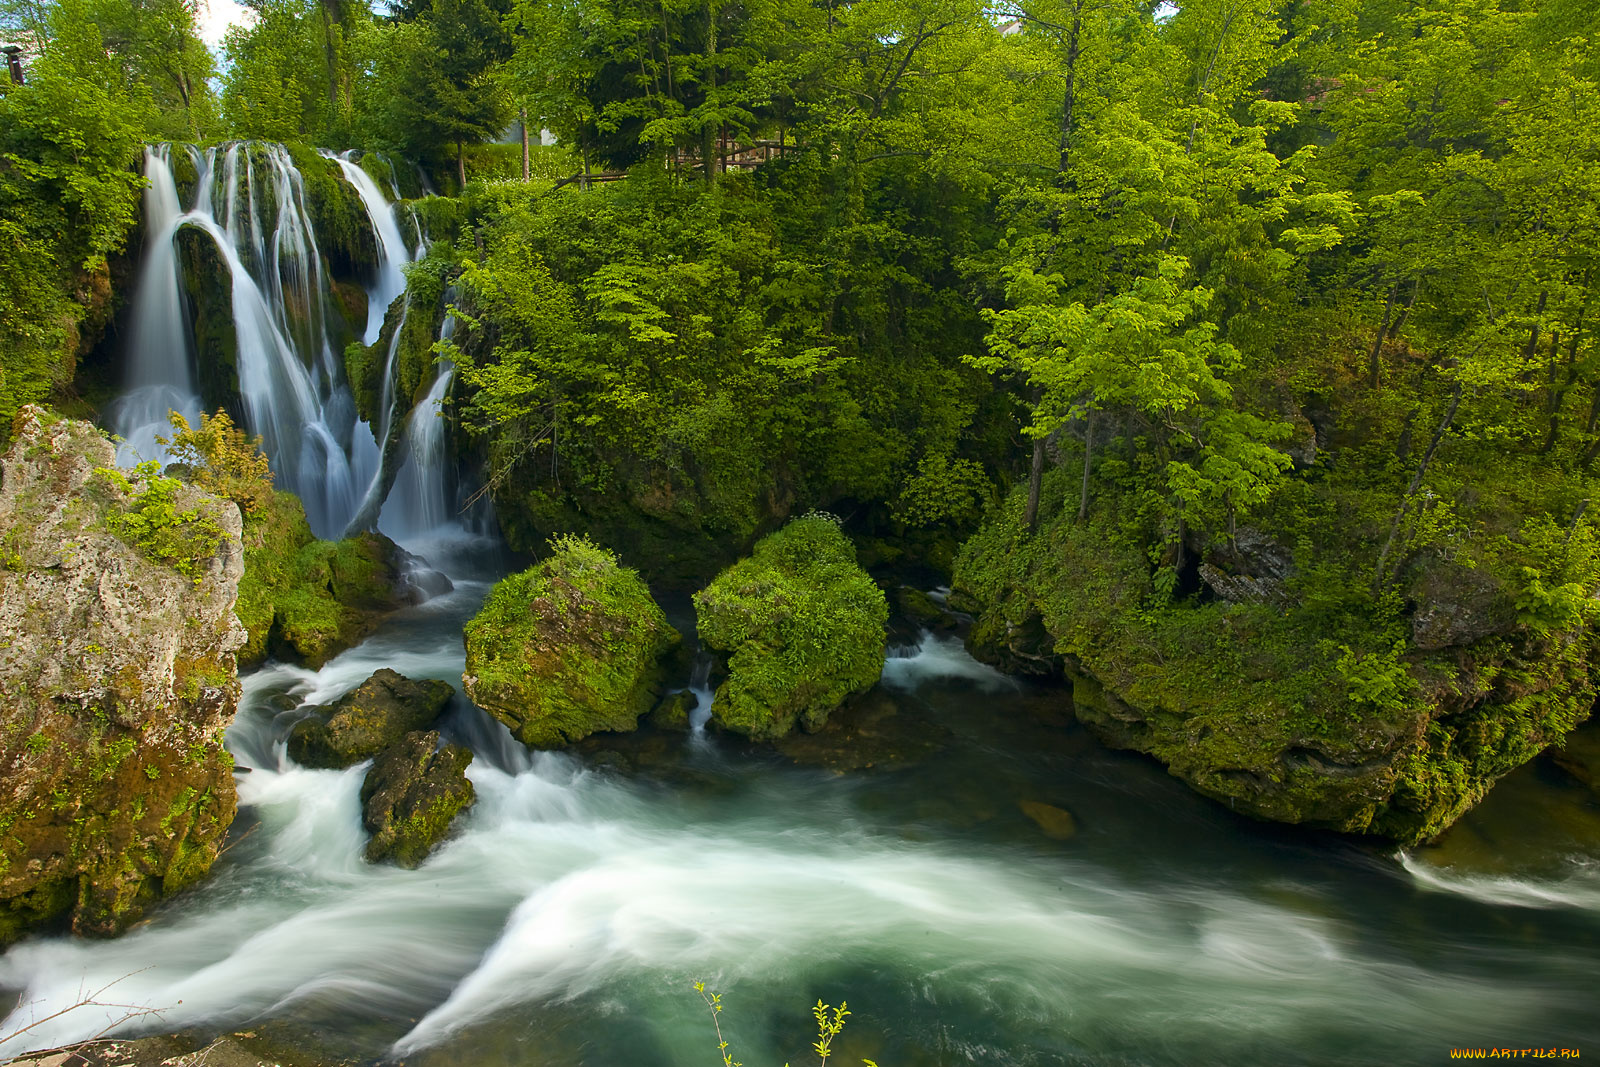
[
  {"x": 570, "y": 647},
  {"x": 1057, "y": 823},
  {"x": 411, "y": 794},
  {"x": 674, "y": 710},
  {"x": 117, "y": 678},
  {"x": 368, "y": 719},
  {"x": 801, "y": 625},
  {"x": 923, "y": 610},
  {"x": 1579, "y": 755}
]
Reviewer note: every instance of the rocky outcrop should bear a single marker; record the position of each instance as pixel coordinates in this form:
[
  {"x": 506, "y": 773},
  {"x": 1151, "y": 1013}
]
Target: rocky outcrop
[
  {"x": 1314, "y": 711},
  {"x": 367, "y": 720},
  {"x": 117, "y": 677},
  {"x": 1456, "y": 606},
  {"x": 569, "y": 647},
  {"x": 413, "y": 791},
  {"x": 801, "y": 625},
  {"x": 1248, "y": 567}
]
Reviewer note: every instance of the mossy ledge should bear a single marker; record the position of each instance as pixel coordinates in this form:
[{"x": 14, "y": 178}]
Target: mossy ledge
[
  {"x": 572, "y": 646},
  {"x": 308, "y": 600},
  {"x": 1374, "y": 721},
  {"x": 117, "y": 678},
  {"x": 802, "y": 627}
]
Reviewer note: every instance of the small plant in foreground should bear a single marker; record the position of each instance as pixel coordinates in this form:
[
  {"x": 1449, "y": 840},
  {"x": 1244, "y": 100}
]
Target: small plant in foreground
[{"x": 830, "y": 1021}]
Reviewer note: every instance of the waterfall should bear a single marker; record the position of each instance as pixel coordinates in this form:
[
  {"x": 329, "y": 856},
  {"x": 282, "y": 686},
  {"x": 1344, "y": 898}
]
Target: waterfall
[
  {"x": 292, "y": 387},
  {"x": 160, "y": 358},
  {"x": 392, "y": 254},
  {"x": 421, "y": 498}
]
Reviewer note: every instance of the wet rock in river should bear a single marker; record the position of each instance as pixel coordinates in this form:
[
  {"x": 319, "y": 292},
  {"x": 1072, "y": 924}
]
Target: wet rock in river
[
  {"x": 410, "y": 796},
  {"x": 368, "y": 719},
  {"x": 1057, "y": 823}
]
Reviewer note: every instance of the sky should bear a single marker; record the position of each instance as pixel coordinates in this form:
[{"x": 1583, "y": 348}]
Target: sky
[{"x": 215, "y": 18}]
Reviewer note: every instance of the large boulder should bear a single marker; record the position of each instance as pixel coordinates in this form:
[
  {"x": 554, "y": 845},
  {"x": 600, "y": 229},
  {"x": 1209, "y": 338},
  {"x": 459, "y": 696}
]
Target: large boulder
[
  {"x": 802, "y": 627},
  {"x": 117, "y": 672},
  {"x": 367, "y": 720},
  {"x": 569, "y": 647},
  {"x": 413, "y": 791}
]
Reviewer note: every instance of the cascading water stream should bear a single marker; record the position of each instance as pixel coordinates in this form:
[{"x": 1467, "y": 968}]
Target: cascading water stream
[
  {"x": 393, "y": 256},
  {"x": 291, "y": 380},
  {"x": 161, "y": 371},
  {"x": 421, "y": 499}
]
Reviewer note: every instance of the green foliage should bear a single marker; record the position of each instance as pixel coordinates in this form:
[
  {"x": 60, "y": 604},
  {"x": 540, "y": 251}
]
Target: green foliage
[
  {"x": 803, "y": 627},
  {"x": 830, "y": 1024},
  {"x": 68, "y": 197},
  {"x": 304, "y": 598},
  {"x": 187, "y": 539},
  {"x": 221, "y": 459}
]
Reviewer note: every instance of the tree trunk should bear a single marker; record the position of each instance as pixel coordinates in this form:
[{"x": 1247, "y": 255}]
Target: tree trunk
[
  {"x": 1069, "y": 99},
  {"x": 1532, "y": 346},
  {"x": 523, "y": 115},
  {"x": 1030, "y": 518},
  {"x": 1383, "y": 332},
  {"x": 1416, "y": 481},
  {"x": 708, "y": 136},
  {"x": 461, "y": 166}
]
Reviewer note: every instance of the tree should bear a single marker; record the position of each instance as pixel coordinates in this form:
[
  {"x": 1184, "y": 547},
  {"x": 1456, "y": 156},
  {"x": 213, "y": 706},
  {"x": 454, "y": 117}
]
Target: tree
[{"x": 437, "y": 80}]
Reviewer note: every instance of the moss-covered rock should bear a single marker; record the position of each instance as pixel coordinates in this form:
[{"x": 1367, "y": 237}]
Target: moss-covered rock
[
  {"x": 208, "y": 286},
  {"x": 411, "y": 794},
  {"x": 117, "y": 678},
  {"x": 569, "y": 647},
  {"x": 308, "y": 600},
  {"x": 802, "y": 626},
  {"x": 344, "y": 232},
  {"x": 1288, "y": 708},
  {"x": 367, "y": 720}
]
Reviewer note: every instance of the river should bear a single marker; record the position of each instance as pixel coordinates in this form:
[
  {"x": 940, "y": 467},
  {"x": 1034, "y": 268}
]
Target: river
[{"x": 567, "y": 920}]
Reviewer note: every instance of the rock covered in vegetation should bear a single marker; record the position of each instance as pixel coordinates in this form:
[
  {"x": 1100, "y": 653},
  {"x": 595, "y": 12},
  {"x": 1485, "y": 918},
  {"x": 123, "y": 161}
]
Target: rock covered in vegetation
[
  {"x": 1295, "y": 707},
  {"x": 569, "y": 647},
  {"x": 117, "y": 678},
  {"x": 308, "y": 600},
  {"x": 368, "y": 719},
  {"x": 413, "y": 791},
  {"x": 802, "y": 626}
]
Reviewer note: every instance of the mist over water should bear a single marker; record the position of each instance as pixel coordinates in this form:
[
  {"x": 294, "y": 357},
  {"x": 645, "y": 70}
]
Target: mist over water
[{"x": 568, "y": 916}]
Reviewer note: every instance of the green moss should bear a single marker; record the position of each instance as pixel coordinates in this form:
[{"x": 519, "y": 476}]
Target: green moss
[
  {"x": 306, "y": 598},
  {"x": 568, "y": 647},
  {"x": 186, "y": 539},
  {"x": 803, "y": 626}
]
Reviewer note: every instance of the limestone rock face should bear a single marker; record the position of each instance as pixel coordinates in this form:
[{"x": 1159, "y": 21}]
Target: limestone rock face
[
  {"x": 1251, "y": 567},
  {"x": 368, "y": 719},
  {"x": 410, "y": 795},
  {"x": 117, "y": 678},
  {"x": 570, "y": 647}
]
